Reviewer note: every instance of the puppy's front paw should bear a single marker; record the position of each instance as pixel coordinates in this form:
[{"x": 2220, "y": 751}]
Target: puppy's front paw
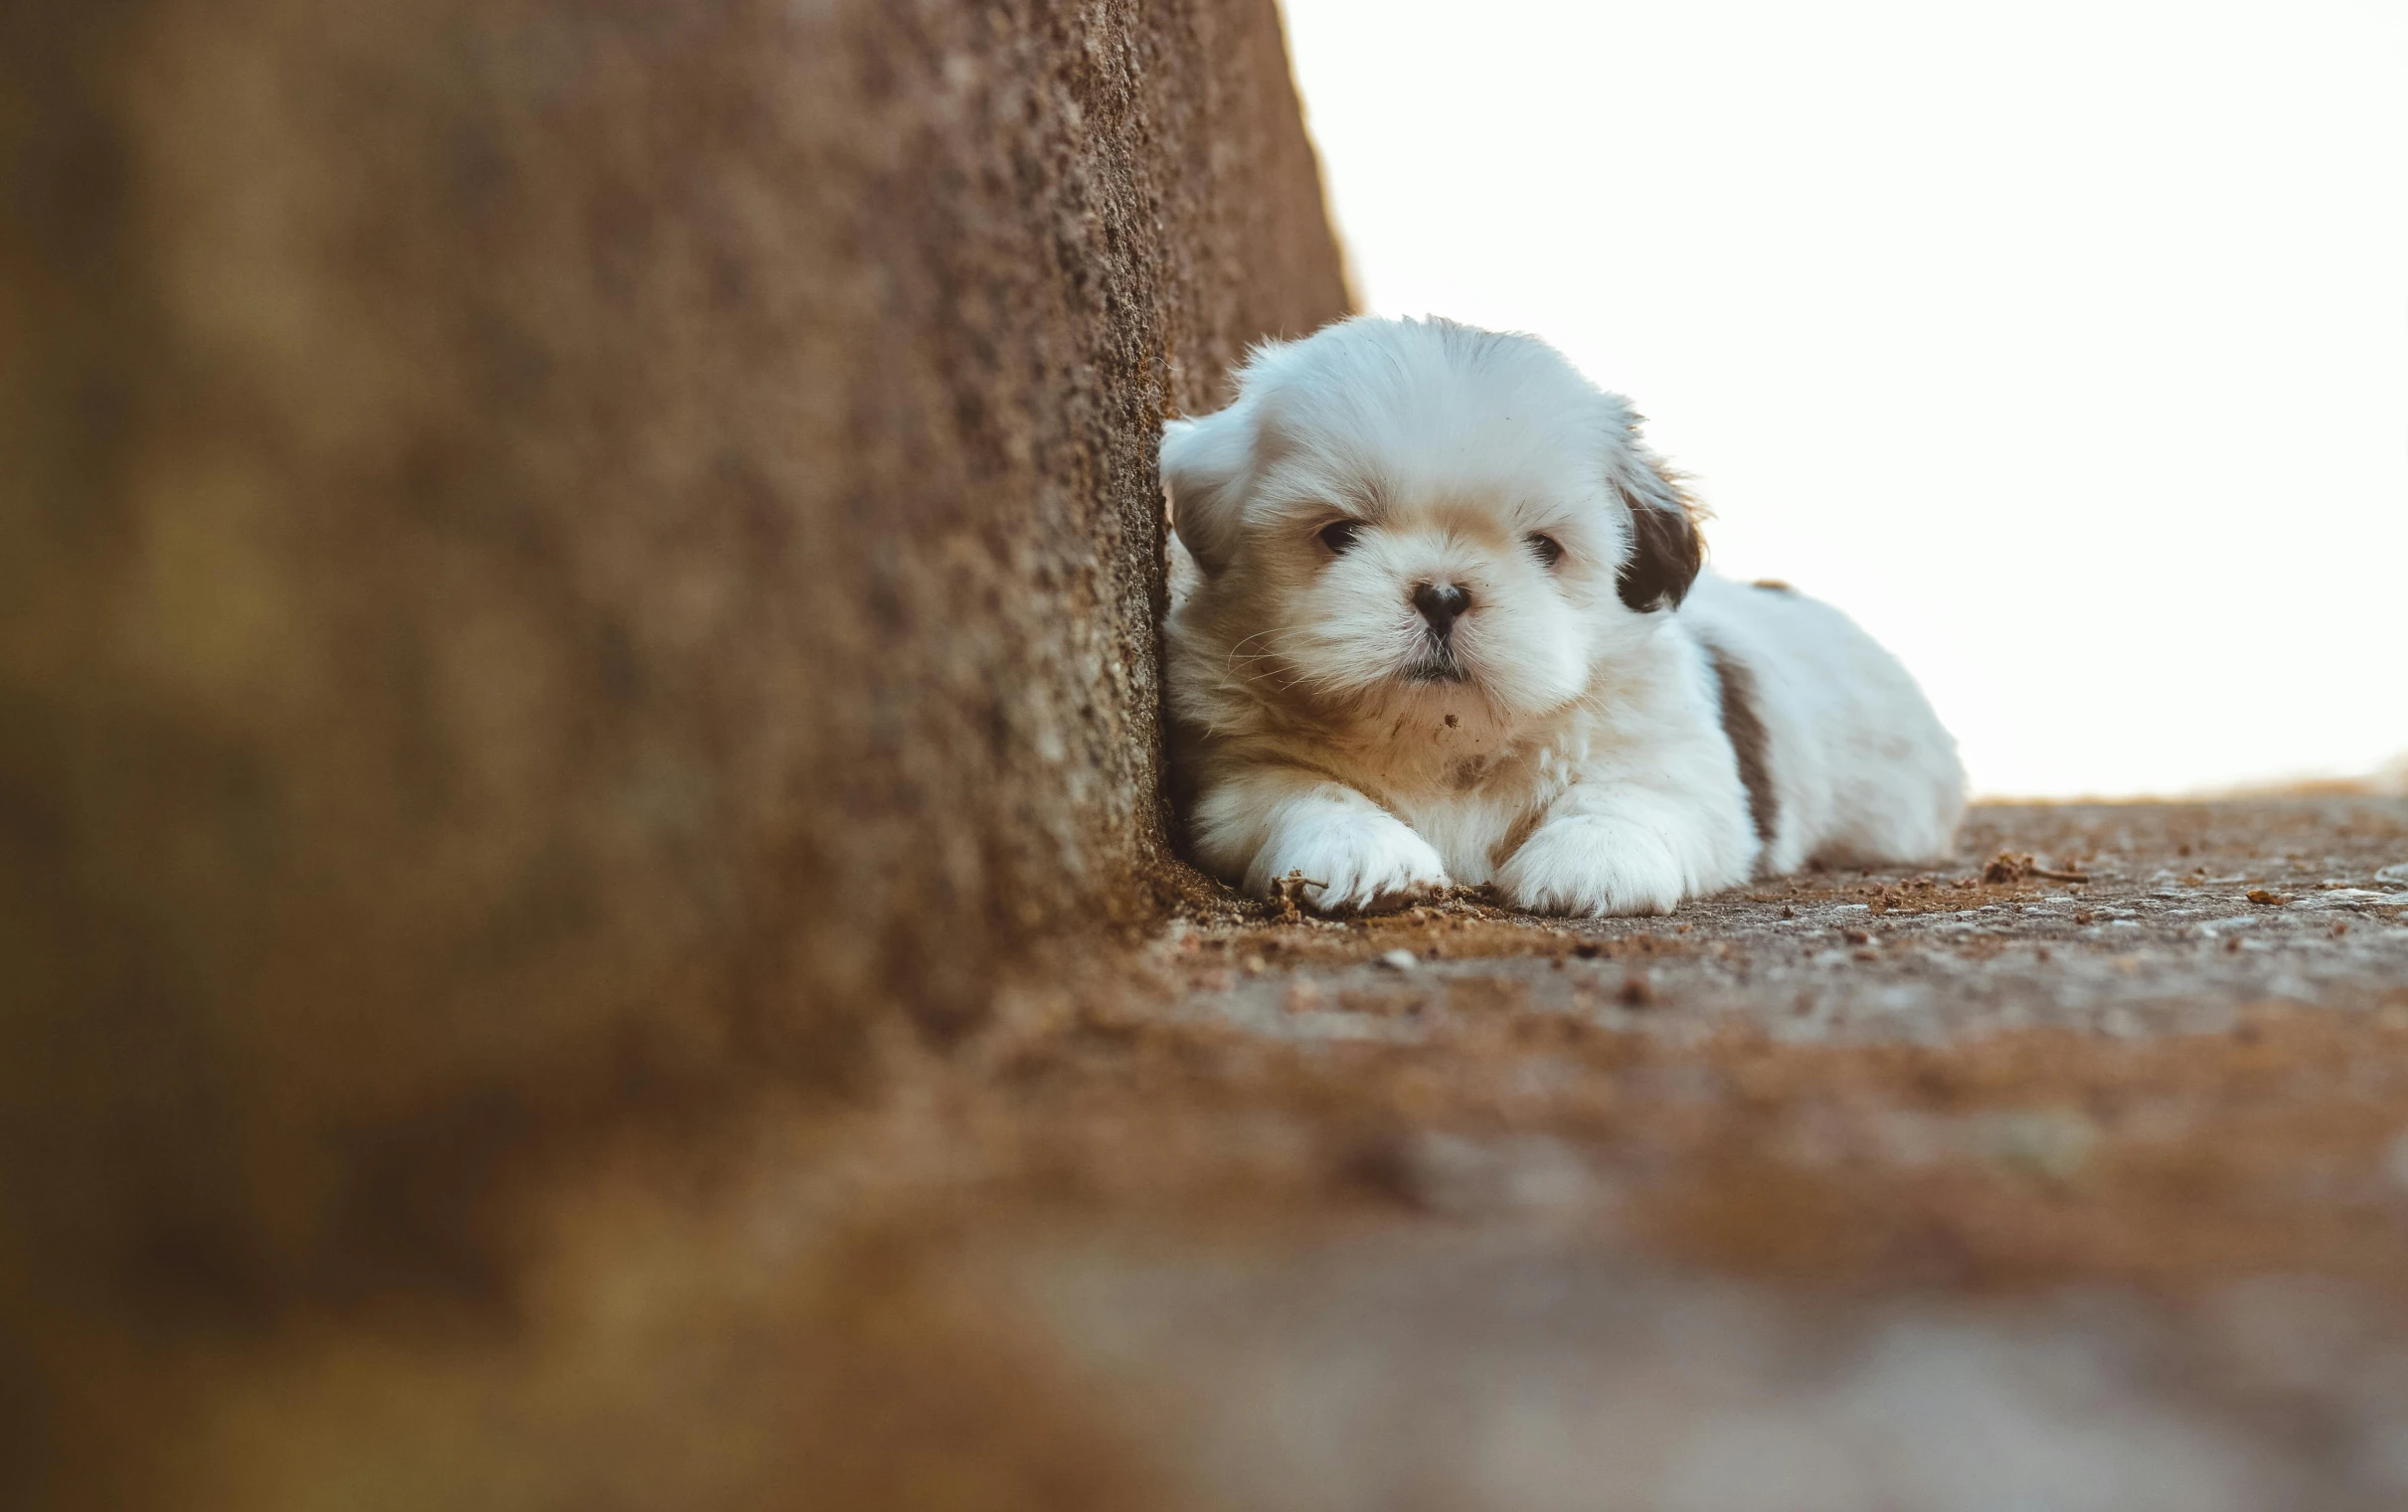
[
  {"x": 1353, "y": 863},
  {"x": 1585, "y": 864}
]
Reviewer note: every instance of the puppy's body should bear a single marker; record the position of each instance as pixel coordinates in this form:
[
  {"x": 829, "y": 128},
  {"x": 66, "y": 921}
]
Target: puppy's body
[
  {"x": 1859, "y": 768},
  {"x": 1432, "y": 622}
]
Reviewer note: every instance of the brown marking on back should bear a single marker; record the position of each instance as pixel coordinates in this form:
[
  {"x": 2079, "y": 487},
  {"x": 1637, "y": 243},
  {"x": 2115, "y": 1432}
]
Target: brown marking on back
[{"x": 1749, "y": 741}]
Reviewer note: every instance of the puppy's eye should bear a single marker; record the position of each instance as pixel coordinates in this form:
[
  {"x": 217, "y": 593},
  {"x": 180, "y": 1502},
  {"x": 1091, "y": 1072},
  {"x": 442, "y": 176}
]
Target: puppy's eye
[
  {"x": 1340, "y": 535},
  {"x": 1550, "y": 550}
]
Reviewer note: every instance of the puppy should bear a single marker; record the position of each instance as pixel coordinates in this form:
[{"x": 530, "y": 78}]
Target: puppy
[{"x": 1437, "y": 617}]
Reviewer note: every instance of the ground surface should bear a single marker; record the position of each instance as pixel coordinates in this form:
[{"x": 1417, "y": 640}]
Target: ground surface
[{"x": 1849, "y": 1192}]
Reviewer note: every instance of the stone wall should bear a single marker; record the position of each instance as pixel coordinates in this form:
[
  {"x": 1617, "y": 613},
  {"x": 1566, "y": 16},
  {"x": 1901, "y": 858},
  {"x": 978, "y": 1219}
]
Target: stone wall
[{"x": 557, "y": 559}]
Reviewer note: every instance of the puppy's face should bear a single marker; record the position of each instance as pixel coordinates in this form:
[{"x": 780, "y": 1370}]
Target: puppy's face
[
  {"x": 1367, "y": 591},
  {"x": 1400, "y": 518}
]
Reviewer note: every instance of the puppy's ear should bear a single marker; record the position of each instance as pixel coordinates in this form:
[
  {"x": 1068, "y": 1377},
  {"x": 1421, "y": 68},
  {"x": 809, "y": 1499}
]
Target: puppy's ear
[
  {"x": 1666, "y": 552},
  {"x": 1205, "y": 465}
]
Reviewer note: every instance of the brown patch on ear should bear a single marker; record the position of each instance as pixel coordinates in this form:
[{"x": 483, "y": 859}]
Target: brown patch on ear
[
  {"x": 1273, "y": 442},
  {"x": 1666, "y": 554}
]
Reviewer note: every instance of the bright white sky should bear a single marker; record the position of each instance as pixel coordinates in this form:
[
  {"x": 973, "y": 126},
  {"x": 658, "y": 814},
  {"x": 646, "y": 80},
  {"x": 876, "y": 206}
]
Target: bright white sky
[{"x": 2064, "y": 345}]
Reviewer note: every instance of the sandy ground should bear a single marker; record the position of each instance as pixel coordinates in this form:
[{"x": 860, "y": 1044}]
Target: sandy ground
[
  {"x": 1981, "y": 1188},
  {"x": 1850, "y": 1191}
]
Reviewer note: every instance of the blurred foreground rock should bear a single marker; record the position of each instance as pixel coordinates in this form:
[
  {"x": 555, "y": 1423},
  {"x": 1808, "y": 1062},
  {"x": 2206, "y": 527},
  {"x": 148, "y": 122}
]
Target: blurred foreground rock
[{"x": 558, "y": 562}]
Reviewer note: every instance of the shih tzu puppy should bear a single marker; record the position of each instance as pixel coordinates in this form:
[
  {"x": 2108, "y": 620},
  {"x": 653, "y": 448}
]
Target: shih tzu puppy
[{"x": 1438, "y": 616}]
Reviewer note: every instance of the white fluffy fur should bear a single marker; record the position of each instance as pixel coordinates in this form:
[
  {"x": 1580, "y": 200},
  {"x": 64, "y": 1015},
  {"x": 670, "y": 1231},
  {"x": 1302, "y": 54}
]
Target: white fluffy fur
[{"x": 1581, "y": 763}]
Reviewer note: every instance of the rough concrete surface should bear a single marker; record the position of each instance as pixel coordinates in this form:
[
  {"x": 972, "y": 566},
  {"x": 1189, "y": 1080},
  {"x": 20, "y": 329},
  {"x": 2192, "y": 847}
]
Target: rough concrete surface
[{"x": 558, "y": 560}]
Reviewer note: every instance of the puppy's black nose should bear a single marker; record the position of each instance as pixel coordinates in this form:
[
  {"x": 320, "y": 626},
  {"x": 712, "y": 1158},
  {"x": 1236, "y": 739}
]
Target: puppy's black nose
[{"x": 1439, "y": 603}]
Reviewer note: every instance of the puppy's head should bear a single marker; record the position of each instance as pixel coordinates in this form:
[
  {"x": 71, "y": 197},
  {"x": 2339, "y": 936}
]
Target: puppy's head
[{"x": 1395, "y": 514}]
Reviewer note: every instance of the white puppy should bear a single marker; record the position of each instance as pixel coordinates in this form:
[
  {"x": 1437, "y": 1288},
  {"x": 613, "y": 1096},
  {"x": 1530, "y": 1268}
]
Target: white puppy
[{"x": 1437, "y": 616}]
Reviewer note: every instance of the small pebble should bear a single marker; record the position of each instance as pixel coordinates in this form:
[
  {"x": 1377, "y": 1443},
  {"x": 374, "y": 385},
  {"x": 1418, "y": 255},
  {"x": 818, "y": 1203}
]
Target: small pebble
[{"x": 1399, "y": 960}]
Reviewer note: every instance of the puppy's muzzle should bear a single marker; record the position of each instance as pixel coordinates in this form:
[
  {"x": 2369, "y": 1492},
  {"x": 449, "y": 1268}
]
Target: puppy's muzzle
[{"x": 1441, "y": 604}]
